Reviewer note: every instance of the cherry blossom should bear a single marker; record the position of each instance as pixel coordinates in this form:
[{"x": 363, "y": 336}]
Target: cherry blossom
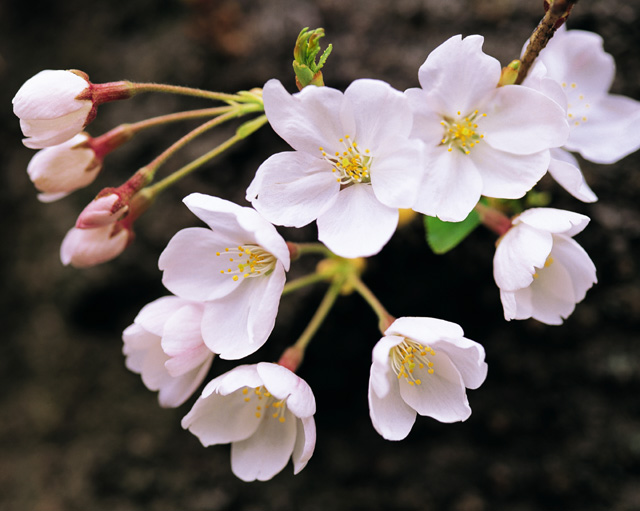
[
  {"x": 422, "y": 366},
  {"x": 237, "y": 267},
  {"x": 59, "y": 170},
  {"x": 352, "y": 168},
  {"x": 83, "y": 248},
  {"x": 480, "y": 139},
  {"x": 164, "y": 345},
  {"x": 540, "y": 270},
  {"x": 265, "y": 412}
]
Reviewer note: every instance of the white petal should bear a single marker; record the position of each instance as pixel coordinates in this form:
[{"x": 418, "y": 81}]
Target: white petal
[
  {"x": 424, "y": 330},
  {"x": 153, "y": 316},
  {"x": 506, "y": 175},
  {"x": 441, "y": 395},
  {"x": 427, "y": 120},
  {"x": 83, "y": 248},
  {"x": 266, "y": 452},
  {"x": 179, "y": 389},
  {"x": 240, "y": 376},
  {"x": 450, "y": 187},
  {"x": 357, "y": 224},
  {"x": 307, "y": 120},
  {"x": 243, "y": 225},
  {"x": 391, "y": 417},
  {"x": 564, "y": 168},
  {"x": 610, "y": 132},
  {"x": 552, "y": 295},
  {"x": 468, "y": 358},
  {"x": 217, "y": 419},
  {"x": 557, "y": 221},
  {"x": 293, "y": 188},
  {"x": 50, "y": 94},
  {"x": 459, "y": 75},
  {"x": 521, "y": 120},
  {"x": 191, "y": 268},
  {"x": 305, "y": 443},
  {"x": 396, "y": 175},
  {"x": 51, "y": 132},
  {"x": 284, "y": 384},
  {"x": 380, "y": 112},
  {"x": 577, "y": 263},
  {"x": 521, "y": 251},
  {"x": 379, "y": 379}
]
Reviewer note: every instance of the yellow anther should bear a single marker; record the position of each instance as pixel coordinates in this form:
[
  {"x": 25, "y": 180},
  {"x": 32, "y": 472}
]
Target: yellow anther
[
  {"x": 217, "y": 253},
  {"x": 245, "y": 390},
  {"x": 258, "y": 415}
]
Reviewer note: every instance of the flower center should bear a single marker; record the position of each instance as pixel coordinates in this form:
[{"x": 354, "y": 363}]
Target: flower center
[
  {"x": 248, "y": 261},
  {"x": 408, "y": 359},
  {"x": 350, "y": 164},
  {"x": 547, "y": 263},
  {"x": 265, "y": 401},
  {"x": 461, "y": 133},
  {"x": 577, "y": 105}
]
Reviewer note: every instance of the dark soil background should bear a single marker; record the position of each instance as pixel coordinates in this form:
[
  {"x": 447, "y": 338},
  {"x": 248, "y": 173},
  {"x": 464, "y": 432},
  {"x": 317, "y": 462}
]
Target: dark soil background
[{"x": 556, "y": 426}]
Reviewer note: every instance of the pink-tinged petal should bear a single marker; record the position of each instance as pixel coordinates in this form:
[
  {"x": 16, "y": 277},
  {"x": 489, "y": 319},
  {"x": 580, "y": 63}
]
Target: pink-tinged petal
[
  {"x": 424, "y": 330},
  {"x": 284, "y": 384},
  {"x": 307, "y": 120},
  {"x": 218, "y": 419},
  {"x": 240, "y": 224},
  {"x": 459, "y": 75},
  {"x": 521, "y": 120},
  {"x": 182, "y": 340},
  {"x": 380, "y": 380},
  {"x": 51, "y": 197},
  {"x": 556, "y": 221},
  {"x": 267, "y": 451},
  {"x": 468, "y": 358},
  {"x": 427, "y": 120},
  {"x": 564, "y": 168},
  {"x": 305, "y": 443},
  {"x": 264, "y": 305},
  {"x": 440, "y": 395},
  {"x": 517, "y": 304},
  {"x": 153, "y": 316},
  {"x": 357, "y": 224},
  {"x": 137, "y": 339},
  {"x": 521, "y": 251},
  {"x": 83, "y": 248},
  {"x": 227, "y": 323},
  {"x": 396, "y": 175},
  {"x": 379, "y": 111},
  {"x": 391, "y": 417},
  {"x": 577, "y": 57},
  {"x": 238, "y": 378},
  {"x": 507, "y": 175},
  {"x": 181, "y": 388},
  {"x": 537, "y": 79},
  {"x": 577, "y": 263},
  {"x": 43, "y": 133},
  {"x": 50, "y": 94},
  {"x": 293, "y": 188},
  {"x": 610, "y": 131},
  {"x": 552, "y": 295},
  {"x": 191, "y": 267},
  {"x": 450, "y": 187}
]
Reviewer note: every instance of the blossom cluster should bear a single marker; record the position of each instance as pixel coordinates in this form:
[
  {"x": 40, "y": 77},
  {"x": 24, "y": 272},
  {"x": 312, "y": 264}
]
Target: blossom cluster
[{"x": 464, "y": 135}]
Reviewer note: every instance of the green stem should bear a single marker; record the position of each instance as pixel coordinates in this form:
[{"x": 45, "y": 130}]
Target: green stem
[
  {"x": 243, "y": 131},
  {"x": 301, "y": 282},
  {"x": 187, "y": 91},
  {"x": 323, "y": 309},
  {"x": 178, "y": 116},
  {"x": 313, "y": 248},
  {"x": 384, "y": 318}
]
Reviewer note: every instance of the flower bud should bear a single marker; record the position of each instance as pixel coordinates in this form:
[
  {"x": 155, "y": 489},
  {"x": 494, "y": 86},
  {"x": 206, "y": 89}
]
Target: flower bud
[
  {"x": 53, "y": 106},
  {"x": 102, "y": 211},
  {"x": 59, "y": 170},
  {"x": 83, "y": 248}
]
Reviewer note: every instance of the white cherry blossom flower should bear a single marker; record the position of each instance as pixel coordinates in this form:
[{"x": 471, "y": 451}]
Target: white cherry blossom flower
[
  {"x": 603, "y": 125},
  {"x": 164, "y": 345},
  {"x": 265, "y": 412},
  {"x": 422, "y": 366},
  {"x": 541, "y": 271},
  {"x": 352, "y": 168},
  {"x": 59, "y": 170},
  {"x": 49, "y": 109},
  {"x": 480, "y": 139},
  {"x": 237, "y": 267}
]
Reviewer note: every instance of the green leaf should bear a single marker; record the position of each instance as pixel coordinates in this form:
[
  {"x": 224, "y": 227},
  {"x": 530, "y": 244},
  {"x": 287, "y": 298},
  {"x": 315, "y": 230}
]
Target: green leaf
[{"x": 443, "y": 236}]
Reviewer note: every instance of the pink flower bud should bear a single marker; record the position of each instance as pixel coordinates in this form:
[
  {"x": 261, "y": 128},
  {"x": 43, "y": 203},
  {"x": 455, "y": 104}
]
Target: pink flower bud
[
  {"x": 83, "y": 248},
  {"x": 59, "y": 170},
  {"x": 102, "y": 211},
  {"x": 53, "y": 106}
]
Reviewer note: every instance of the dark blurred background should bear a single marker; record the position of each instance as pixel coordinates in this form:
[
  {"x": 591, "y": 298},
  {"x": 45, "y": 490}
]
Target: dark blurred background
[{"x": 556, "y": 426}]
